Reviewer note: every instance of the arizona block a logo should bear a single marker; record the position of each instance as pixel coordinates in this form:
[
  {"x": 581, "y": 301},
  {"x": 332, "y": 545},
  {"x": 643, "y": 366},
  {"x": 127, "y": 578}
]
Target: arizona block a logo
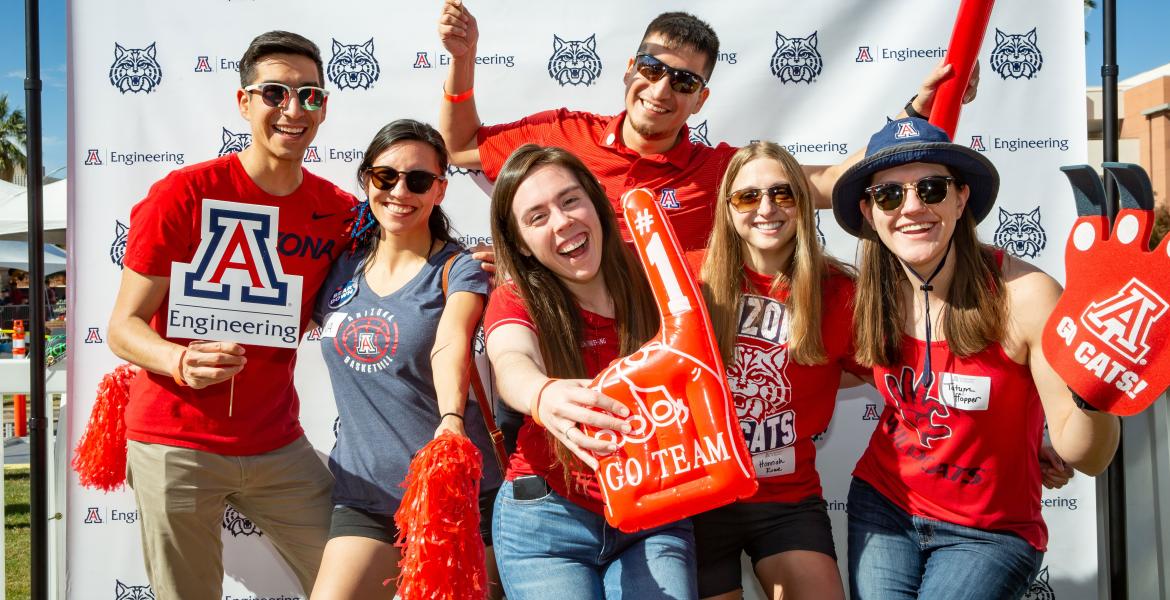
[
  {"x": 234, "y": 288},
  {"x": 1124, "y": 320}
]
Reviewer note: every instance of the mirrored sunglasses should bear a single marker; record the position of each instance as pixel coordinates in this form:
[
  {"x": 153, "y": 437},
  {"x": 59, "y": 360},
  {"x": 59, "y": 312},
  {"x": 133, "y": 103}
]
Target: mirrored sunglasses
[
  {"x": 681, "y": 81},
  {"x": 750, "y": 198},
  {"x": 276, "y": 95}
]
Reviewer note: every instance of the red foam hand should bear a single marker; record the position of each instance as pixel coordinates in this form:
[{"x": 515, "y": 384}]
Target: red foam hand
[
  {"x": 966, "y": 37},
  {"x": 685, "y": 453},
  {"x": 1107, "y": 336}
]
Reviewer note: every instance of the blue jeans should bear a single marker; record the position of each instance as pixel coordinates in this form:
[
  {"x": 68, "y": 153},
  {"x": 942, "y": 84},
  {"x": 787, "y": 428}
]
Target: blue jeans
[
  {"x": 551, "y": 548},
  {"x": 894, "y": 555}
]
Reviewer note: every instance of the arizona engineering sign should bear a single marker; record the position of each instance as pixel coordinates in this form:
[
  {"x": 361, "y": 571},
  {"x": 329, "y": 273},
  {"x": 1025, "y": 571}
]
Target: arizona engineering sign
[{"x": 153, "y": 88}]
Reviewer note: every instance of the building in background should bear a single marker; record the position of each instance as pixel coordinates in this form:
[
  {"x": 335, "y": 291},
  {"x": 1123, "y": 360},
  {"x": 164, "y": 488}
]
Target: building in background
[{"x": 1144, "y": 107}]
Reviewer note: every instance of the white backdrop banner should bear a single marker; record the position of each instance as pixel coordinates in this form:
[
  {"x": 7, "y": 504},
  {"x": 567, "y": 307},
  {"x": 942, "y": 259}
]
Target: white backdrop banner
[{"x": 152, "y": 88}]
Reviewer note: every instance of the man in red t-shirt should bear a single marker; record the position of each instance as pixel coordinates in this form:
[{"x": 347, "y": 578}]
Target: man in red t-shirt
[
  {"x": 648, "y": 144},
  {"x": 250, "y": 238}
]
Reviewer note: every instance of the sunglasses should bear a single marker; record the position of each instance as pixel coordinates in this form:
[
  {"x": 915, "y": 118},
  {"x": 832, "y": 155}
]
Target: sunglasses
[
  {"x": 930, "y": 190},
  {"x": 681, "y": 81},
  {"x": 385, "y": 178},
  {"x": 276, "y": 95},
  {"x": 750, "y": 198}
]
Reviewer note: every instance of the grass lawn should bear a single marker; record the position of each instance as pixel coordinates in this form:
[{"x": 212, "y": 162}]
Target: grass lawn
[{"x": 16, "y": 533}]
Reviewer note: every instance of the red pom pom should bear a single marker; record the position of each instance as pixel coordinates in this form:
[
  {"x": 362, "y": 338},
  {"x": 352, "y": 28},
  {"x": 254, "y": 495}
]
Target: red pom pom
[
  {"x": 100, "y": 457},
  {"x": 443, "y": 554}
]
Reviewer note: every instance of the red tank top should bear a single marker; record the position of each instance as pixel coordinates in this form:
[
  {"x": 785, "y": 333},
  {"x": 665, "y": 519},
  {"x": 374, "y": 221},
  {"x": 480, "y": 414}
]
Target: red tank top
[{"x": 966, "y": 451}]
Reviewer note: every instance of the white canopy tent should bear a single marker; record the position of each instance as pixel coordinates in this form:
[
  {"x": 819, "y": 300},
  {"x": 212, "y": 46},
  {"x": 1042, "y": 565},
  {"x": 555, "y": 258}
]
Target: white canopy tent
[
  {"x": 14, "y": 255},
  {"x": 14, "y": 211}
]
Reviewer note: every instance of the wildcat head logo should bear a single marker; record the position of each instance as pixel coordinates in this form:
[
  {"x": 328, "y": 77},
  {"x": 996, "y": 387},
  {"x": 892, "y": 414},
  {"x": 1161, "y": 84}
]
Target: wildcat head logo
[
  {"x": 233, "y": 142},
  {"x": 353, "y": 66},
  {"x": 237, "y": 524},
  {"x": 574, "y": 62},
  {"x": 454, "y": 170},
  {"x": 796, "y": 59},
  {"x": 1016, "y": 56},
  {"x": 923, "y": 417},
  {"x": 820, "y": 234},
  {"x": 132, "y": 592},
  {"x": 1039, "y": 588},
  {"x": 759, "y": 387},
  {"x": 1123, "y": 321},
  {"x": 1020, "y": 234},
  {"x": 477, "y": 343},
  {"x": 698, "y": 134},
  {"x": 118, "y": 248},
  {"x": 135, "y": 69}
]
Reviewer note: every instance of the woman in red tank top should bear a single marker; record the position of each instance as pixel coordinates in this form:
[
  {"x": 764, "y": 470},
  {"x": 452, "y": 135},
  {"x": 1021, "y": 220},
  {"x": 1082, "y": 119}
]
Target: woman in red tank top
[
  {"x": 780, "y": 309},
  {"x": 945, "y": 501}
]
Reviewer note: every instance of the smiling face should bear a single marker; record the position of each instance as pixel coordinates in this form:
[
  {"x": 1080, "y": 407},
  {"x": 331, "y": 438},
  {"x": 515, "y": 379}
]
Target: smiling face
[
  {"x": 398, "y": 210},
  {"x": 282, "y": 133},
  {"x": 558, "y": 225},
  {"x": 654, "y": 111},
  {"x": 767, "y": 233},
  {"x": 916, "y": 232}
]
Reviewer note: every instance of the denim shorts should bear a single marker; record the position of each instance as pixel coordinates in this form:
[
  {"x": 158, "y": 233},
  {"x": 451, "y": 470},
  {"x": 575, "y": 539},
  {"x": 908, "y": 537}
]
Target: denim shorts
[
  {"x": 549, "y": 547},
  {"x": 894, "y": 555}
]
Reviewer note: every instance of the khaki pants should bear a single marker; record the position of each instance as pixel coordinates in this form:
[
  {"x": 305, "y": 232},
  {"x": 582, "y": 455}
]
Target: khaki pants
[{"x": 182, "y": 495}]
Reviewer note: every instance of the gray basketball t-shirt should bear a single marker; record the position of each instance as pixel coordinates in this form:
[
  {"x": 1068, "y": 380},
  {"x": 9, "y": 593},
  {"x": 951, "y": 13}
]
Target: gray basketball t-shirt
[{"x": 378, "y": 349}]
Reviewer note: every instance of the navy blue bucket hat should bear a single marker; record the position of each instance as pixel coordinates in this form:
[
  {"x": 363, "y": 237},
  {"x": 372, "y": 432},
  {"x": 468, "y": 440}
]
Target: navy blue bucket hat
[{"x": 908, "y": 141}]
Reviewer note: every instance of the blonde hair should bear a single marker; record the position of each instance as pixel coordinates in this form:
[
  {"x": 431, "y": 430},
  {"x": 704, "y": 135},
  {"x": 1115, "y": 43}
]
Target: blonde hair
[{"x": 723, "y": 268}]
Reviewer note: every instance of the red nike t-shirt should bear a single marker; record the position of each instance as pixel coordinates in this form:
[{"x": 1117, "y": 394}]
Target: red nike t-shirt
[
  {"x": 534, "y": 455},
  {"x": 166, "y": 228}
]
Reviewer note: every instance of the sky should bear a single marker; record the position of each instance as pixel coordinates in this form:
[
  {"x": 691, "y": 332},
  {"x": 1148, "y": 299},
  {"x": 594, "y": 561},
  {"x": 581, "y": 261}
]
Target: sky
[{"x": 1141, "y": 45}]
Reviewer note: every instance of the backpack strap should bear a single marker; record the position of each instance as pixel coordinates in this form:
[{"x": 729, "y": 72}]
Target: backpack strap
[{"x": 485, "y": 406}]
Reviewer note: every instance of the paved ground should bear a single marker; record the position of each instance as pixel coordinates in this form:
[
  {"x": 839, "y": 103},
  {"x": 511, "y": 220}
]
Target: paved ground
[{"x": 16, "y": 451}]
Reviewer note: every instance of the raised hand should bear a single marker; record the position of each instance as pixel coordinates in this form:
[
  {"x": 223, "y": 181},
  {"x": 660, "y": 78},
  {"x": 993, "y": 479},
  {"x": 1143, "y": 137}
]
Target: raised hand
[
  {"x": 1107, "y": 337},
  {"x": 458, "y": 30},
  {"x": 681, "y": 451}
]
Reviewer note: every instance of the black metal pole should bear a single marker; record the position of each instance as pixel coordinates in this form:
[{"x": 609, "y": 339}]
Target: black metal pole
[
  {"x": 39, "y": 470},
  {"x": 1115, "y": 474}
]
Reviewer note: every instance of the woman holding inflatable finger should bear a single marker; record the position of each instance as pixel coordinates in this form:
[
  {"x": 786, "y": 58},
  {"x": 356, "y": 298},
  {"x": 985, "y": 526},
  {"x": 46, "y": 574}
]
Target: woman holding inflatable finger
[
  {"x": 577, "y": 300},
  {"x": 945, "y": 501},
  {"x": 781, "y": 312}
]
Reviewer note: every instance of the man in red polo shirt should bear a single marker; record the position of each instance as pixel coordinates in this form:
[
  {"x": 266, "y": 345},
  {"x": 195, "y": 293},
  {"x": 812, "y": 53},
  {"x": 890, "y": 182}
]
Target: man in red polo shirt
[
  {"x": 250, "y": 237},
  {"x": 648, "y": 144}
]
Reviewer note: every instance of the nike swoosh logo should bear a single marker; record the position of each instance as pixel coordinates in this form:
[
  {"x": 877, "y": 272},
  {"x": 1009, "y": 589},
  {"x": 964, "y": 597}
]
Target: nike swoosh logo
[{"x": 317, "y": 217}]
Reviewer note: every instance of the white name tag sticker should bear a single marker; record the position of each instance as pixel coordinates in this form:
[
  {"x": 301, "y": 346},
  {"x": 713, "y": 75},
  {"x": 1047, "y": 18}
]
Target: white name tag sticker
[
  {"x": 965, "y": 392},
  {"x": 332, "y": 324},
  {"x": 781, "y": 461}
]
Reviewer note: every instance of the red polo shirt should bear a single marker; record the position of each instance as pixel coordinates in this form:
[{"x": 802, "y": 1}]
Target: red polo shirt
[{"x": 685, "y": 179}]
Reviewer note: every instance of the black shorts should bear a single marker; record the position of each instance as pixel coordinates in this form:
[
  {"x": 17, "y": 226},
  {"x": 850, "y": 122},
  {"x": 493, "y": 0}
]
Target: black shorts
[
  {"x": 761, "y": 529},
  {"x": 350, "y": 521}
]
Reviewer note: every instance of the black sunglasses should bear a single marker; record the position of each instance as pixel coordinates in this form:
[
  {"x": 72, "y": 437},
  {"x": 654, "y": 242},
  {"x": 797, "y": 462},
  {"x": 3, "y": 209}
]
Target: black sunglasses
[
  {"x": 750, "y": 198},
  {"x": 418, "y": 182},
  {"x": 931, "y": 190},
  {"x": 681, "y": 81},
  {"x": 276, "y": 95}
]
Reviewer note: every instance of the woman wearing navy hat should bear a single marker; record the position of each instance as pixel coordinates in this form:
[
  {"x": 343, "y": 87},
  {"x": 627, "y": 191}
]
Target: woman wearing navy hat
[{"x": 945, "y": 501}]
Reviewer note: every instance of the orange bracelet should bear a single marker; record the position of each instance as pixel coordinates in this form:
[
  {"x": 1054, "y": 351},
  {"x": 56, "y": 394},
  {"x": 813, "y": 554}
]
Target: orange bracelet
[
  {"x": 177, "y": 371},
  {"x": 535, "y": 406},
  {"x": 460, "y": 97}
]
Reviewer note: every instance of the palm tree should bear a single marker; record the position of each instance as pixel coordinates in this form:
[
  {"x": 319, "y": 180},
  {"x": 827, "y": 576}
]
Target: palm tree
[{"x": 13, "y": 136}]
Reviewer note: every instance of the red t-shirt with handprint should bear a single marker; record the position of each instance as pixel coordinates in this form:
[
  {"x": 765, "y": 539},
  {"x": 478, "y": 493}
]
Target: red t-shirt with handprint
[
  {"x": 534, "y": 455},
  {"x": 967, "y": 450},
  {"x": 782, "y": 405}
]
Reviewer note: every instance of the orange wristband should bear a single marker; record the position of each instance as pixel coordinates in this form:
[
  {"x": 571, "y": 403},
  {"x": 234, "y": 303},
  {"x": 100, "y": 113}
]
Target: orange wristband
[
  {"x": 177, "y": 371},
  {"x": 460, "y": 97},
  {"x": 535, "y": 406}
]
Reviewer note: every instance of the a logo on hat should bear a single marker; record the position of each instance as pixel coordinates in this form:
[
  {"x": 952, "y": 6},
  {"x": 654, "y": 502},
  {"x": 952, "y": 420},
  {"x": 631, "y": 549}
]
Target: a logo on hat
[{"x": 906, "y": 129}]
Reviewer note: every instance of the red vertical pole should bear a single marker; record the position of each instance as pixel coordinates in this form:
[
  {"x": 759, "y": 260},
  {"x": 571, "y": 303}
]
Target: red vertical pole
[{"x": 20, "y": 415}]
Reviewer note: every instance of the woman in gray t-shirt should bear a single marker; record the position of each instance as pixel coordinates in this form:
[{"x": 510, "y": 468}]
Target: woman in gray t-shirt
[{"x": 397, "y": 351}]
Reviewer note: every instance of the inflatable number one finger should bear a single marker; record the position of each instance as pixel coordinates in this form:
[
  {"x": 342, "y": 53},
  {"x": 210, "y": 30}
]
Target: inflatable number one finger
[
  {"x": 685, "y": 453},
  {"x": 1107, "y": 335}
]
